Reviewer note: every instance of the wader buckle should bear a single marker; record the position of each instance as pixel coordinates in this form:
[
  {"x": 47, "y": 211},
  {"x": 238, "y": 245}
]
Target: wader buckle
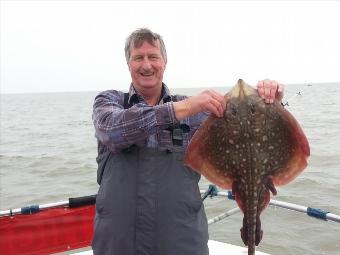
[{"x": 177, "y": 131}]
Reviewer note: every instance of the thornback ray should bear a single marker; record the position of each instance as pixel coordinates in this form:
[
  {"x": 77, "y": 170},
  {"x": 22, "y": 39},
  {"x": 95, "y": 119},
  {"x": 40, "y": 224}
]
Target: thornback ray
[{"x": 253, "y": 148}]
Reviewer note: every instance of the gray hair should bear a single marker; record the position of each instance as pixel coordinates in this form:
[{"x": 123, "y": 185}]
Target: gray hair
[{"x": 139, "y": 36}]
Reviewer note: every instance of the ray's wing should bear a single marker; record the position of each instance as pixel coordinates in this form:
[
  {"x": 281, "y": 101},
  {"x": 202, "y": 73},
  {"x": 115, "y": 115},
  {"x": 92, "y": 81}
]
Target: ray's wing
[
  {"x": 206, "y": 152},
  {"x": 293, "y": 144},
  {"x": 283, "y": 152}
]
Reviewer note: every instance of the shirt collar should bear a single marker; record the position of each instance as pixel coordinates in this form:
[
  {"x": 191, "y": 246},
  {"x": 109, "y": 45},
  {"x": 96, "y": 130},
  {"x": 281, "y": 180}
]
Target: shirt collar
[{"x": 134, "y": 97}]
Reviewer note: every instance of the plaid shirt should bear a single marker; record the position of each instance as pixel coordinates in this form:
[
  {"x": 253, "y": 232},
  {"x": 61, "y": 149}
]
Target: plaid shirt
[{"x": 117, "y": 128}]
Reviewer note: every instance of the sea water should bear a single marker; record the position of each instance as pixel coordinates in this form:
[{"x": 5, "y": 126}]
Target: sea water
[{"x": 48, "y": 151}]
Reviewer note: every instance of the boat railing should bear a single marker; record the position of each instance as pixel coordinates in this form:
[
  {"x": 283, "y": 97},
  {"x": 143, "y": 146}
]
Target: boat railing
[
  {"x": 317, "y": 213},
  {"x": 212, "y": 191}
]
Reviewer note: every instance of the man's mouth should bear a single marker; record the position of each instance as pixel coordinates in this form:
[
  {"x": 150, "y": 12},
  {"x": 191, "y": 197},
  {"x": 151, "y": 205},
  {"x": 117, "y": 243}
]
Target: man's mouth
[{"x": 146, "y": 74}]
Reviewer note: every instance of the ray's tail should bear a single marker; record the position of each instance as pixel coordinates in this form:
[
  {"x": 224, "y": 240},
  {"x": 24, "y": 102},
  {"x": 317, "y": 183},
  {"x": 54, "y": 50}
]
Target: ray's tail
[{"x": 251, "y": 232}]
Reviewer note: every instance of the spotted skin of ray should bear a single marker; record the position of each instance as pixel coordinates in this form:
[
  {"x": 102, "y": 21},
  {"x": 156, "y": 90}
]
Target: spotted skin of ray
[{"x": 252, "y": 148}]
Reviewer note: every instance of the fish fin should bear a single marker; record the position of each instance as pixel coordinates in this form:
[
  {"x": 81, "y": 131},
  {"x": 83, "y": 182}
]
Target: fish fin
[
  {"x": 259, "y": 231},
  {"x": 263, "y": 201},
  {"x": 270, "y": 185},
  {"x": 197, "y": 158},
  {"x": 299, "y": 151},
  {"x": 238, "y": 197},
  {"x": 244, "y": 231}
]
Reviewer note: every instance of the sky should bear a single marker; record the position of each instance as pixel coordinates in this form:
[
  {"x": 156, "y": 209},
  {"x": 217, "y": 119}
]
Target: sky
[{"x": 54, "y": 46}]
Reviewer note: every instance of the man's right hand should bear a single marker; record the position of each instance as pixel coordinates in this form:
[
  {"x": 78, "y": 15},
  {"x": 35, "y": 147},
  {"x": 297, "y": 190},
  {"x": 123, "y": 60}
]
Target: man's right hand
[{"x": 208, "y": 100}]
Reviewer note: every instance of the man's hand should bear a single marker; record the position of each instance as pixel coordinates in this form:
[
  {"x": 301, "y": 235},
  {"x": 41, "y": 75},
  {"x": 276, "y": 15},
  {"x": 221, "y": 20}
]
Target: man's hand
[
  {"x": 208, "y": 100},
  {"x": 270, "y": 90},
  {"x": 214, "y": 102}
]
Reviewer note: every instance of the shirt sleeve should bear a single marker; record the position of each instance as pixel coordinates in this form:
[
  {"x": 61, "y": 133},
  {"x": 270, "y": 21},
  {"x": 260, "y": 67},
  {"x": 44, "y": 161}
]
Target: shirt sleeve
[{"x": 119, "y": 128}]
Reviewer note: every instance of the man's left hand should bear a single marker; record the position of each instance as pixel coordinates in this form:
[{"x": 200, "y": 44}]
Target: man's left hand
[{"x": 270, "y": 90}]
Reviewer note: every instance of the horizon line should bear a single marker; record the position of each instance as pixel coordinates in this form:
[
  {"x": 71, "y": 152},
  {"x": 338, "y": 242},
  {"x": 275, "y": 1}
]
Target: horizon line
[{"x": 88, "y": 91}]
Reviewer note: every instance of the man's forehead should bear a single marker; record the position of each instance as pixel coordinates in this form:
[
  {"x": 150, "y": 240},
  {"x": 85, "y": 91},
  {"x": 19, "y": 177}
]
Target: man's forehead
[{"x": 146, "y": 44}]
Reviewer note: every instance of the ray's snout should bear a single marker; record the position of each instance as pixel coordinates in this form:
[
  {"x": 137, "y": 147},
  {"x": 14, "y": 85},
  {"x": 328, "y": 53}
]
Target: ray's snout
[{"x": 241, "y": 90}]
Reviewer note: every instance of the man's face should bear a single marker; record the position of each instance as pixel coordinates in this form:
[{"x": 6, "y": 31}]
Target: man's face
[{"x": 146, "y": 65}]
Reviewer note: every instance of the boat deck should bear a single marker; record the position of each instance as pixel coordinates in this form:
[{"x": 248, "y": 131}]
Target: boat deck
[{"x": 215, "y": 248}]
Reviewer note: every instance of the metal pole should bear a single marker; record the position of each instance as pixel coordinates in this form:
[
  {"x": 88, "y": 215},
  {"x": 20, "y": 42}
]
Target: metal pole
[
  {"x": 313, "y": 212},
  {"x": 72, "y": 203},
  {"x": 310, "y": 211},
  {"x": 32, "y": 208},
  {"x": 223, "y": 215}
]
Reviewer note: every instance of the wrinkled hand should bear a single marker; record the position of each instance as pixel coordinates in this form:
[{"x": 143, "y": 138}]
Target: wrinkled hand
[
  {"x": 208, "y": 100},
  {"x": 270, "y": 90}
]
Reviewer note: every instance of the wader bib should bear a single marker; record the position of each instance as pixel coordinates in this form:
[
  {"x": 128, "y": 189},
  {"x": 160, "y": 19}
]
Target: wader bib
[{"x": 148, "y": 203}]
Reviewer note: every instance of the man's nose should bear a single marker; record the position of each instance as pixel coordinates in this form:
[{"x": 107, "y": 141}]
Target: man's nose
[{"x": 146, "y": 64}]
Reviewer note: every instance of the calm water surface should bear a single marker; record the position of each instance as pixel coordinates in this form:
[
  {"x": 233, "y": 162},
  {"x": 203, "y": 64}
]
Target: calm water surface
[{"x": 48, "y": 150}]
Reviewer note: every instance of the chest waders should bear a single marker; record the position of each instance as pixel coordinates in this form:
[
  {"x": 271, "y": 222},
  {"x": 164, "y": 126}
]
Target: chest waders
[{"x": 149, "y": 203}]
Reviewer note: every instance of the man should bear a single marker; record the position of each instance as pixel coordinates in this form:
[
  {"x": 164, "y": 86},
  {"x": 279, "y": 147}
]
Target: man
[{"x": 148, "y": 201}]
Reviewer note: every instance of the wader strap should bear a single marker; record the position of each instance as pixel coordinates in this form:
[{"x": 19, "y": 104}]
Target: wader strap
[
  {"x": 126, "y": 101},
  {"x": 177, "y": 131},
  {"x": 128, "y": 104}
]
